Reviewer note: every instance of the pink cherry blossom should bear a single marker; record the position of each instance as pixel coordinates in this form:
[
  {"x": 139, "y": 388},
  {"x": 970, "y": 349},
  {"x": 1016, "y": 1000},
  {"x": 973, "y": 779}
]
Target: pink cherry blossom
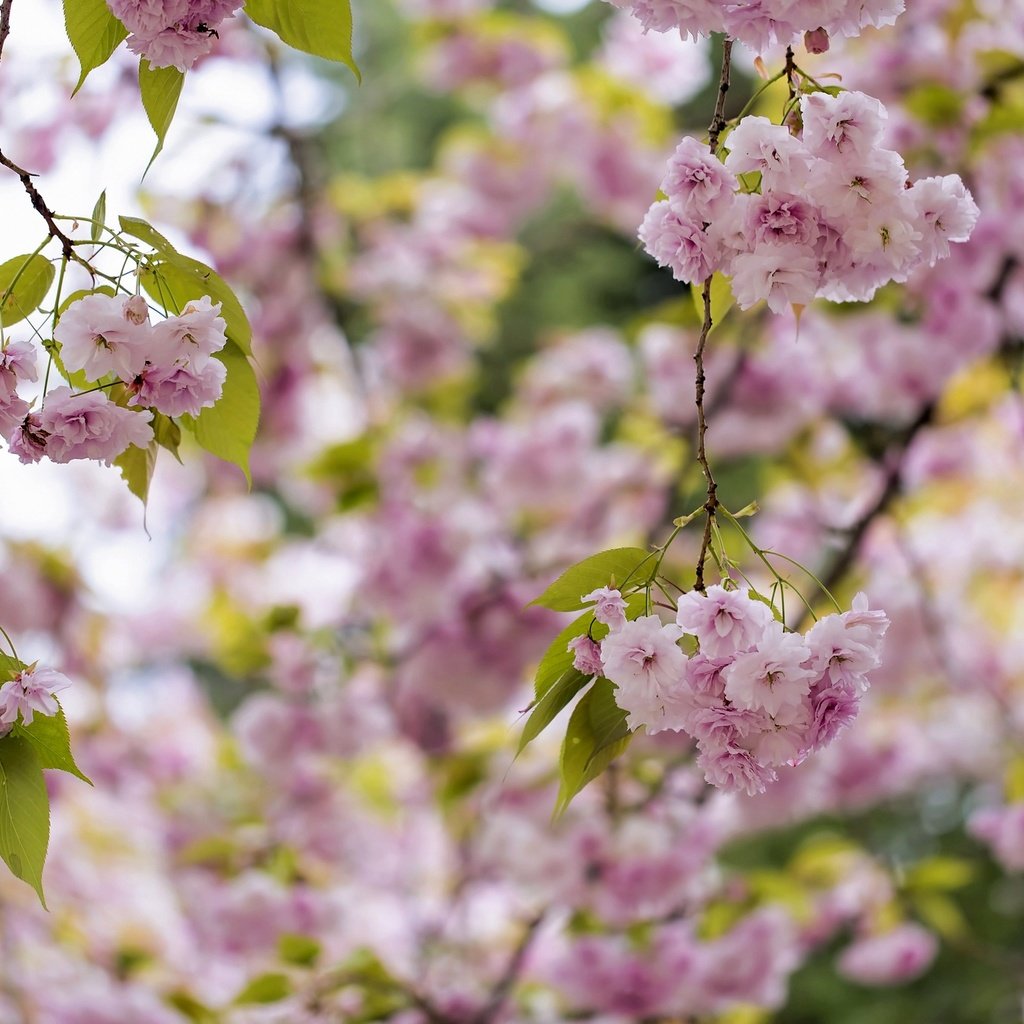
[
  {"x": 610, "y": 606},
  {"x": 89, "y": 426},
  {"x": 30, "y": 691},
  {"x": 723, "y": 621},
  {"x": 586, "y": 656},
  {"x": 772, "y": 675},
  {"x": 101, "y": 334}
]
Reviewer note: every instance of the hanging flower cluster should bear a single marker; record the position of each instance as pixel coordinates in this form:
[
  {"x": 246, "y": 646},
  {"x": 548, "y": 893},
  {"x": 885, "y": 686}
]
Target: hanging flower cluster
[
  {"x": 762, "y": 23},
  {"x": 167, "y": 367},
  {"x": 753, "y": 695},
  {"x": 827, "y": 213},
  {"x": 172, "y": 33}
]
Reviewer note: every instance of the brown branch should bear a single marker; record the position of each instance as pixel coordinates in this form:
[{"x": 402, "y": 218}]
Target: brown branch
[
  {"x": 711, "y": 504},
  {"x": 891, "y": 488},
  {"x": 5, "y": 23}
]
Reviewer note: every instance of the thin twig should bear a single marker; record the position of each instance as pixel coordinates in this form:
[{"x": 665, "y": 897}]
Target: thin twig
[
  {"x": 5, "y": 23},
  {"x": 501, "y": 990}
]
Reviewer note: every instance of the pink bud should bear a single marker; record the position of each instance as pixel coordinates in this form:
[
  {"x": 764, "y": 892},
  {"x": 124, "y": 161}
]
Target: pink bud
[{"x": 816, "y": 41}]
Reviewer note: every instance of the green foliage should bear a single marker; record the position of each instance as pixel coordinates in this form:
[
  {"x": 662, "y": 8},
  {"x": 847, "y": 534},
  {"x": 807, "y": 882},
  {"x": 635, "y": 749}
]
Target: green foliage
[
  {"x": 94, "y": 33},
  {"x": 51, "y": 741},
  {"x": 136, "y": 466},
  {"x": 266, "y": 988},
  {"x": 160, "y": 89},
  {"x": 596, "y": 735},
  {"x": 320, "y": 27},
  {"x": 228, "y": 428},
  {"x": 555, "y": 698},
  {"x": 24, "y": 812},
  {"x": 616, "y": 567},
  {"x": 298, "y": 950},
  {"x": 24, "y": 282}
]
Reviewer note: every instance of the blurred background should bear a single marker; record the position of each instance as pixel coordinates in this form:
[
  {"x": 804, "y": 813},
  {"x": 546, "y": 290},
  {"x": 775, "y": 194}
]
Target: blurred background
[{"x": 299, "y": 702}]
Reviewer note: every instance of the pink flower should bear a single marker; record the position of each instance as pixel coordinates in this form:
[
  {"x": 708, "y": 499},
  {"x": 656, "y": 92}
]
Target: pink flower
[
  {"x": 587, "y": 656},
  {"x": 645, "y": 662},
  {"x": 17, "y": 362},
  {"x": 681, "y": 245},
  {"x": 148, "y": 17},
  {"x": 734, "y": 769},
  {"x": 772, "y": 675},
  {"x": 783, "y": 275},
  {"x": 101, "y": 334},
  {"x": 191, "y": 338},
  {"x": 179, "y": 389},
  {"x": 696, "y": 182},
  {"x": 723, "y": 621},
  {"x": 28, "y": 441},
  {"x": 834, "y": 708},
  {"x": 175, "y": 47},
  {"x": 756, "y": 144},
  {"x": 89, "y": 426},
  {"x": 31, "y": 690},
  {"x": 844, "y": 125},
  {"x": 836, "y": 652},
  {"x": 946, "y": 212},
  {"x": 611, "y": 607},
  {"x": 892, "y": 958}
]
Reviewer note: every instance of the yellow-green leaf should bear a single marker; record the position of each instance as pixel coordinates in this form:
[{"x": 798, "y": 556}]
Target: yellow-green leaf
[
  {"x": 94, "y": 33},
  {"x": 24, "y": 282},
  {"x": 24, "y": 812},
  {"x": 320, "y": 27}
]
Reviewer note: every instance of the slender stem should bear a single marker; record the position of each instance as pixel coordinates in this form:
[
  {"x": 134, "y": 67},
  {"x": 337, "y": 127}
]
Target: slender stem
[
  {"x": 10, "y": 643},
  {"x": 718, "y": 121},
  {"x": 5, "y": 23}
]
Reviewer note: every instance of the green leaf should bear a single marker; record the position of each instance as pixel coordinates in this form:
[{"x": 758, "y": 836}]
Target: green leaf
[
  {"x": 555, "y": 698},
  {"x": 266, "y": 988},
  {"x": 721, "y": 299},
  {"x": 228, "y": 428},
  {"x": 24, "y": 812},
  {"x": 94, "y": 33},
  {"x": 145, "y": 232},
  {"x": 99, "y": 217},
  {"x": 167, "y": 433},
  {"x": 320, "y": 27},
  {"x": 612, "y": 568},
  {"x": 50, "y": 739},
  {"x": 596, "y": 735},
  {"x": 175, "y": 280},
  {"x": 136, "y": 466},
  {"x": 558, "y": 658},
  {"x": 24, "y": 282},
  {"x": 160, "y": 89},
  {"x": 300, "y": 950},
  {"x": 9, "y": 667}
]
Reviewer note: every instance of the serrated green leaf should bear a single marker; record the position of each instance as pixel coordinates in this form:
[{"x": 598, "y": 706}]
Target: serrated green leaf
[
  {"x": 136, "y": 466},
  {"x": 558, "y": 658},
  {"x": 556, "y": 697},
  {"x": 145, "y": 232},
  {"x": 613, "y": 568},
  {"x": 160, "y": 89},
  {"x": 175, "y": 280},
  {"x": 99, "y": 217},
  {"x": 228, "y": 428},
  {"x": 24, "y": 812},
  {"x": 50, "y": 739},
  {"x": 24, "y": 282},
  {"x": 267, "y": 988},
  {"x": 596, "y": 735},
  {"x": 94, "y": 33},
  {"x": 300, "y": 950},
  {"x": 320, "y": 27},
  {"x": 167, "y": 433}
]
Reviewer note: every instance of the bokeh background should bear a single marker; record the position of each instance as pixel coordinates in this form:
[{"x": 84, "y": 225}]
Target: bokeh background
[{"x": 299, "y": 703}]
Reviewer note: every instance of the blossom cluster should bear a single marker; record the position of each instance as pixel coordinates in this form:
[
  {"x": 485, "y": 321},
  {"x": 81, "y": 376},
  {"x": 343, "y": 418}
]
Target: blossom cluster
[
  {"x": 172, "y": 33},
  {"x": 754, "y": 695},
  {"x": 168, "y": 367},
  {"x": 829, "y": 212},
  {"x": 31, "y": 691},
  {"x": 763, "y": 23}
]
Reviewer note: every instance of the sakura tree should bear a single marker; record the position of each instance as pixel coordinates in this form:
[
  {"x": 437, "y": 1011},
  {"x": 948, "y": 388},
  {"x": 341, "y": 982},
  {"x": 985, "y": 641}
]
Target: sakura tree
[{"x": 585, "y": 574}]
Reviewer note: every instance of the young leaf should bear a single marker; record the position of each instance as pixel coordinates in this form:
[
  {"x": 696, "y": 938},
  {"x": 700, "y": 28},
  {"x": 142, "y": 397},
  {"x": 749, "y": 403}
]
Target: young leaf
[
  {"x": 300, "y": 950},
  {"x": 24, "y": 282},
  {"x": 99, "y": 217},
  {"x": 160, "y": 89},
  {"x": 136, "y": 466},
  {"x": 320, "y": 27},
  {"x": 145, "y": 232},
  {"x": 555, "y": 698},
  {"x": 266, "y": 988},
  {"x": 558, "y": 658},
  {"x": 175, "y": 280},
  {"x": 228, "y": 428},
  {"x": 612, "y": 568},
  {"x": 9, "y": 667},
  {"x": 50, "y": 739},
  {"x": 24, "y": 812},
  {"x": 167, "y": 433},
  {"x": 596, "y": 735},
  {"x": 94, "y": 33}
]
